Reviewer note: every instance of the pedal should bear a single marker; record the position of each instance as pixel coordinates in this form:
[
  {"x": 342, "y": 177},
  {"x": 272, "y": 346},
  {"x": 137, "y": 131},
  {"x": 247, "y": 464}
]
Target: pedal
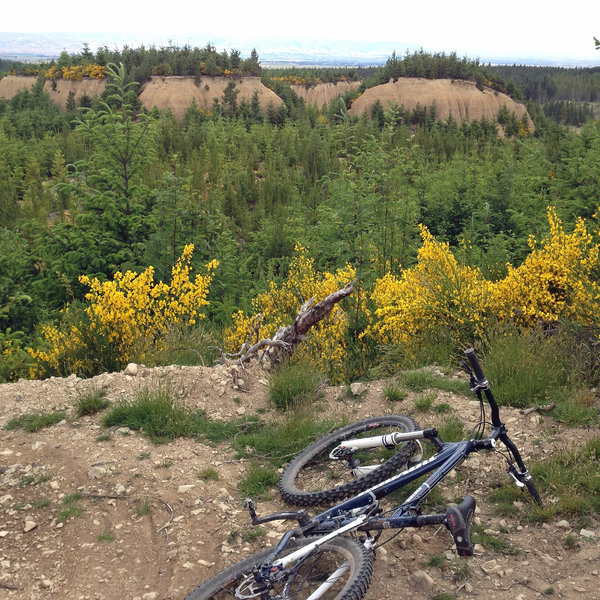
[{"x": 458, "y": 522}]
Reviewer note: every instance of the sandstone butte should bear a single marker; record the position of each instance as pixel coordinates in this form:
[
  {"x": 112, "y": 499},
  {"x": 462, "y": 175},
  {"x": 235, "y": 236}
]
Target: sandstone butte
[
  {"x": 455, "y": 97},
  {"x": 458, "y": 98}
]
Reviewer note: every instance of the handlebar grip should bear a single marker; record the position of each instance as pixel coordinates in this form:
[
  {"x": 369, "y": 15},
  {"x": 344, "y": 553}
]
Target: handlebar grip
[{"x": 470, "y": 354}]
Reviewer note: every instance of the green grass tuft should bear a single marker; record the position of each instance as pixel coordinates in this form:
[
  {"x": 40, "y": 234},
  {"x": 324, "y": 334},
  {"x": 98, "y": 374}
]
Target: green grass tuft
[
  {"x": 294, "y": 385},
  {"x": 91, "y": 403},
  {"x": 394, "y": 394},
  {"x": 35, "y": 421}
]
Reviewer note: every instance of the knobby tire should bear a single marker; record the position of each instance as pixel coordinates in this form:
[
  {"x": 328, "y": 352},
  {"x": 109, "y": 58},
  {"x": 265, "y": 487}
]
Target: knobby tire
[
  {"x": 304, "y": 578},
  {"x": 314, "y": 459}
]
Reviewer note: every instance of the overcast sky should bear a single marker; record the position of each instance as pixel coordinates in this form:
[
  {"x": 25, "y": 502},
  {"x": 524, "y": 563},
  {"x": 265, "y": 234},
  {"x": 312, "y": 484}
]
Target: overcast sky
[{"x": 472, "y": 27}]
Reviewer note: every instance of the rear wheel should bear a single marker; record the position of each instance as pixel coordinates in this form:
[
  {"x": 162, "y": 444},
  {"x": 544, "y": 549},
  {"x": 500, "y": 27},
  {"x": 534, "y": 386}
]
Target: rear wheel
[
  {"x": 314, "y": 478},
  {"x": 341, "y": 569}
]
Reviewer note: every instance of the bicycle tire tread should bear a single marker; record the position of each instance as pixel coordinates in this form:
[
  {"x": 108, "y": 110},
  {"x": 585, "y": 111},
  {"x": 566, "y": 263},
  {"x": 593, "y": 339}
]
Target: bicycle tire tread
[{"x": 291, "y": 495}]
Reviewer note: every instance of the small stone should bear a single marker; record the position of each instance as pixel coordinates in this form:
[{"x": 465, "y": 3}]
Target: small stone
[
  {"x": 3, "y": 534},
  {"x": 47, "y": 583},
  {"x": 204, "y": 563},
  {"x": 97, "y": 472},
  {"x": 120, "y": 489},
  {"x": 490, "y": 566},
  {"x": 586, "y": 533},
  {"x": 54, "y": 485},
  {"x": 478, "y": 549},
  {"x": 422, "y": 581},
  {"x": 182, "y": 489},
  {"x": 37, "y": 445},
  {"x": 4, "y": 499},
  {"x": 241, "y": 410},
  {"x": 417, "y": 539},
  {"x": 131, "y": 369},
  {"x": 357, "y": 388},
  {"x": 29, "y": 525},
  {"x": 150, "y": 596},
  {"x": 188, "y": 565},
  {"x": 564, "y": 524}
]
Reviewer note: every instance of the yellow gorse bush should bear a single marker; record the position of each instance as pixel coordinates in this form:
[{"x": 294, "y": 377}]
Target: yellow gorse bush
[
  {"x": 76, "y": 72},
  {"x": 436, "y": 292},
  {"x": 279, "y": 307},
  {"x": 131, "y": 312},
  {"x": 557, "y": 280}
]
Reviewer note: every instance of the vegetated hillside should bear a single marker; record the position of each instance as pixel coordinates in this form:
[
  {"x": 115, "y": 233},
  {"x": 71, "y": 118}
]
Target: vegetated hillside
[
  {"x": 101, "y": 513},
  {"x": 57, "y": 89},
  {"x": 458, "y": 98},
  {"x": 177, "y": 93},
  {"x": 323, "y": 93}
]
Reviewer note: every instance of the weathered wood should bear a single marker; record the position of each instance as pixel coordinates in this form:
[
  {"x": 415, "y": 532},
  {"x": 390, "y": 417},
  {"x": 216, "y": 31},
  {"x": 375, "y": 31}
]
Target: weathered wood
[{"x": 287, "y": 338}]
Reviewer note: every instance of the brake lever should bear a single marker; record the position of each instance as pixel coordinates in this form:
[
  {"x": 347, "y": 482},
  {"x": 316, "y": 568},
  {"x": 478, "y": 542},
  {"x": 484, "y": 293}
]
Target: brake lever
[{"x": 465, "y": 367}]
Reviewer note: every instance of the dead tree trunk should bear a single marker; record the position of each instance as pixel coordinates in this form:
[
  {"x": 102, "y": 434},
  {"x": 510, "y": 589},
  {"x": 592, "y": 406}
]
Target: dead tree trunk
[{"x": 287, "y": 338}]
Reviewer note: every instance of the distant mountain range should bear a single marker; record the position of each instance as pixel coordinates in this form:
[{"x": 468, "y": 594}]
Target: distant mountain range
[{"x": 35, "y": 47}]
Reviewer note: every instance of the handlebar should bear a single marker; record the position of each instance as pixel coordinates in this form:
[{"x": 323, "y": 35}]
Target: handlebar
[{"x": 479, "y": 383}]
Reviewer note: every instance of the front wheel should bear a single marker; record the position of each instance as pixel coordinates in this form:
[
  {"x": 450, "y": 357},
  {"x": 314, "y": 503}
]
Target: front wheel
[
  {"x": 314, "y": 477},
  {"x": 341, "y": 569}
]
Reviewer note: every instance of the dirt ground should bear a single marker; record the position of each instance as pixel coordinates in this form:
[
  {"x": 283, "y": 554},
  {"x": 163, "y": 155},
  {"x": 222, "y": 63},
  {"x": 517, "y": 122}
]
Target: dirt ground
[{"x": 118, "y": 549}]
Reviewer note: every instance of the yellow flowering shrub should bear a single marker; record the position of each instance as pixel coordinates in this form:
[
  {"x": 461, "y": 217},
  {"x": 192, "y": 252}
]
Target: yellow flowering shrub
[
  {"x": 76, "y": 72},
  {"x": 279, "y": 307},
  {"x": 128, "y": 315},
  {"x": 557, "y": 279},
  {"x": 436, "y": 293}
]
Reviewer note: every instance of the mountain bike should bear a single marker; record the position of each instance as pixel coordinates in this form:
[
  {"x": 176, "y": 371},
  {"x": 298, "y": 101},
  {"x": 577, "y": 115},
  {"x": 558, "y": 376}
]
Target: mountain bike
[{"x": 330, "y": 555}]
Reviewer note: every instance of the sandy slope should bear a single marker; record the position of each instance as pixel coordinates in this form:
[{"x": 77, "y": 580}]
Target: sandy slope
[{"x": 459, "y": 98}]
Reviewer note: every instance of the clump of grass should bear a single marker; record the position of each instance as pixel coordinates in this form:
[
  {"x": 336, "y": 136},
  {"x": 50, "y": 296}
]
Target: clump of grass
[
  {"x": 34, "y": 479},
  {"x": 438, "y": 561},
  {"x": 294, "y": 385},
  {"x": 280, "y": 441},
  {"x": 452, "y": 429},
  {"x": 106, "y": 536},
  {"x": 442, "y": 408},
  {"x": 425, "y": 401},
  {"x": 572, "y": 477},
  {"x": 155, "y": 412},
  {"x": 35, "y": 421},
  {"x": 144, "y": 455},
  {"x": 443, "y": 596},
  {"x": 160, "y": 415},
  {"x": 42, "y": 503},
  {"x": 141, "y": 508},
  {"x": 491, "y": 542},
  {"x": 253, "y": 534},
  {"x": 91, "y": 403},
  {"x": 208, "y": 474},
  {"x": 258, "y": 481},
  {"x": 527, "y": 368},
  {"x": 103, "y": 437},
  {"x": 393, "y": 393},
  {"x": 70, "y": 508},
  {"x": 570, "y": 541},
  {"x": 420, "y": 380}
]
